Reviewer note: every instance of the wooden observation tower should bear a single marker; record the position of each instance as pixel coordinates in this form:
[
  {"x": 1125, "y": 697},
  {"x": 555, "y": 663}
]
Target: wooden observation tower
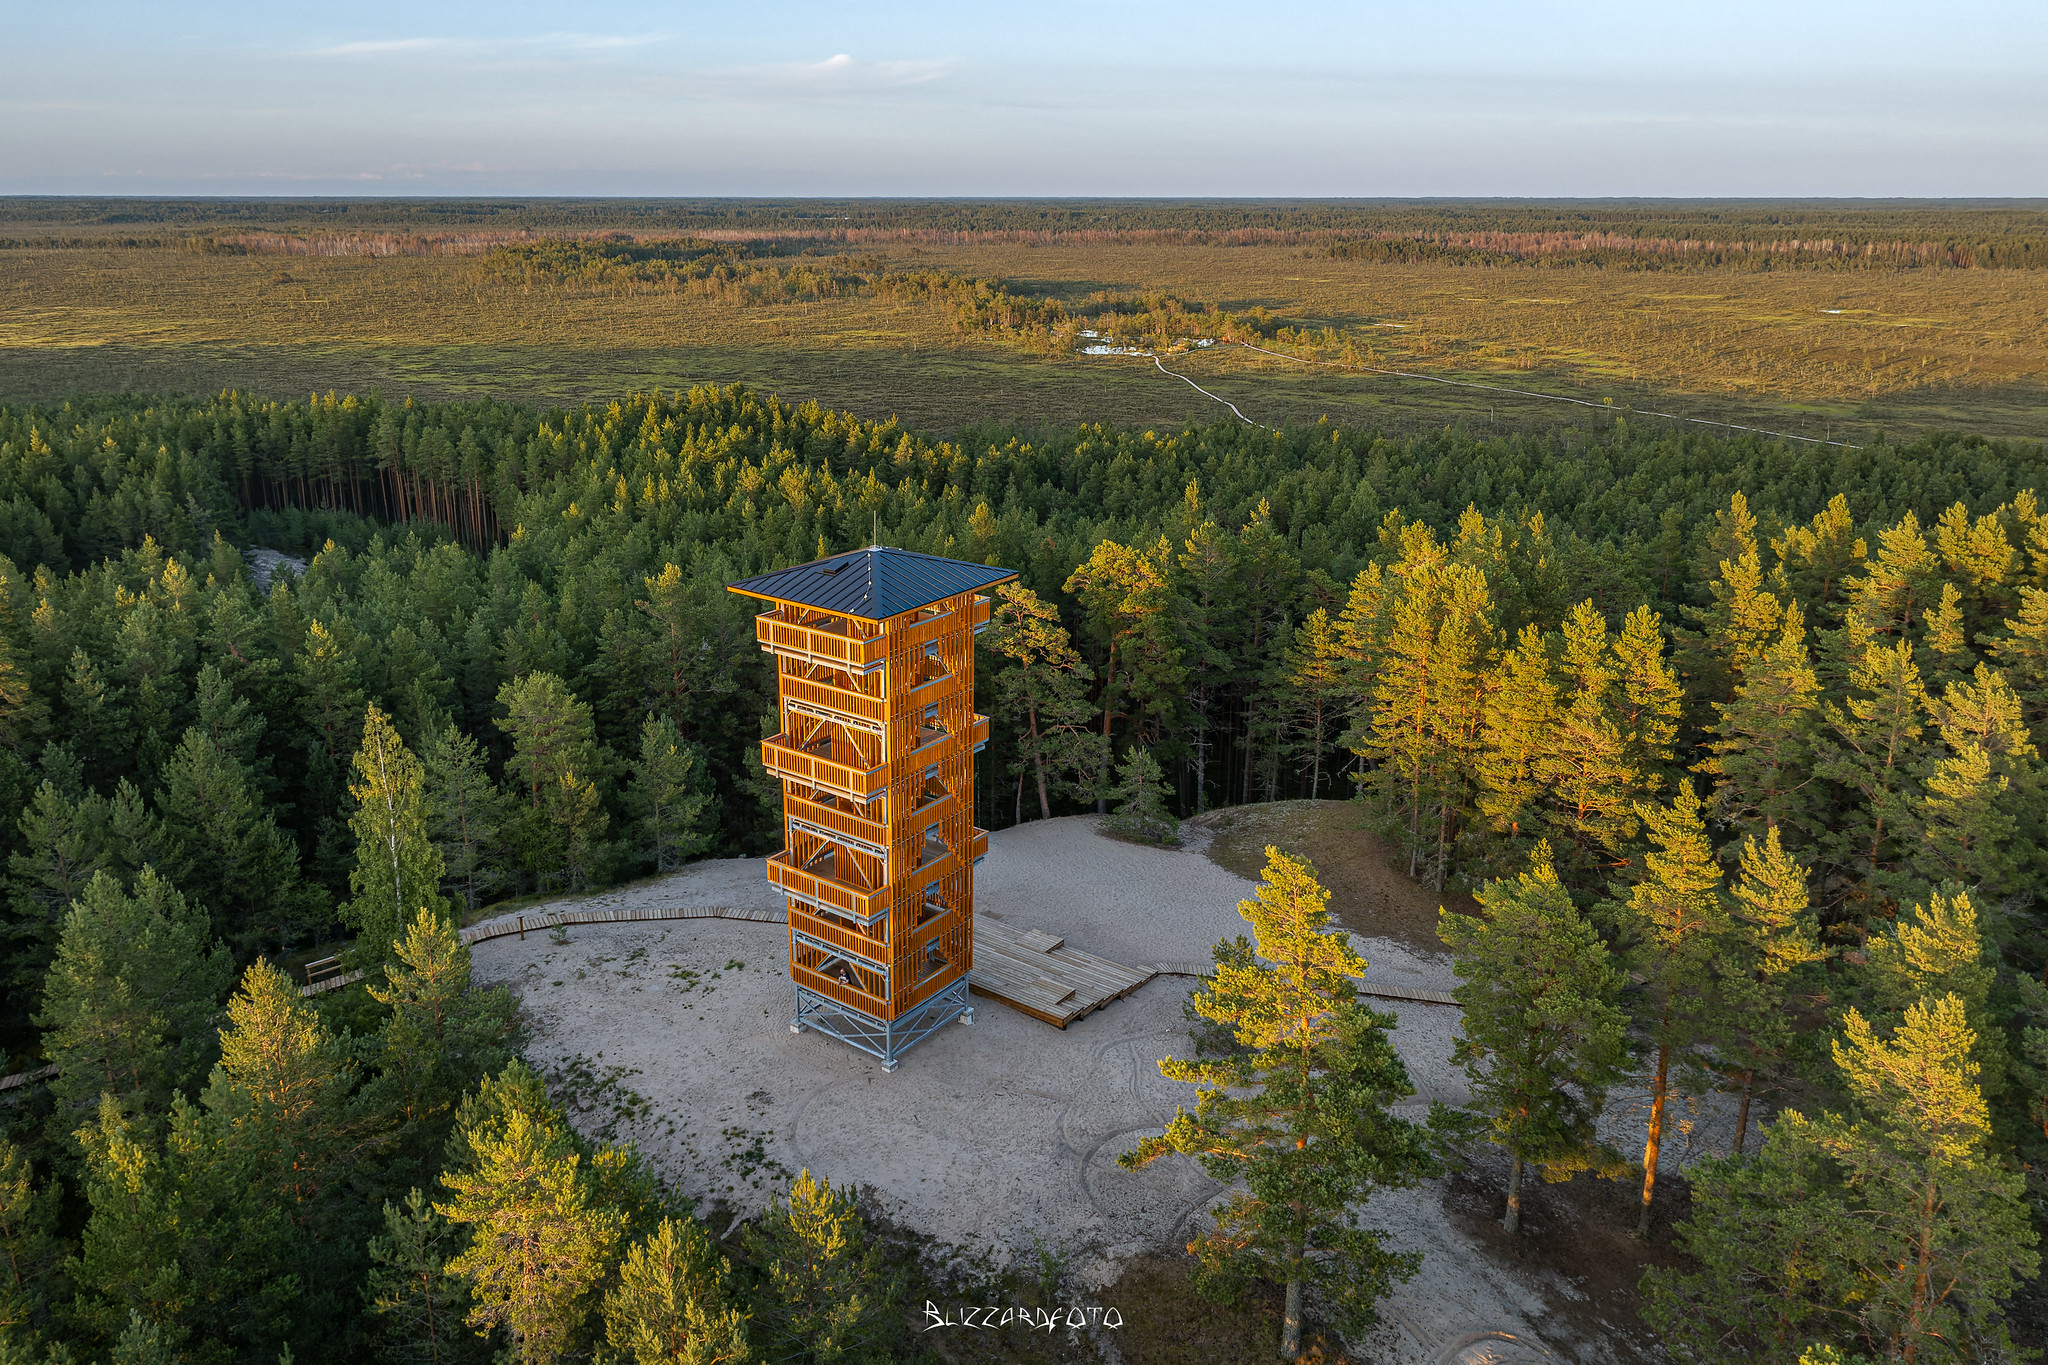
[{"x": 874, "y": 651}]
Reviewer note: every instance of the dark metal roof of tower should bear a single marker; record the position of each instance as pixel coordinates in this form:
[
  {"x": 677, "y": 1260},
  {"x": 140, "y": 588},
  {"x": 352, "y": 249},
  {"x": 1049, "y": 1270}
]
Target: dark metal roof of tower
[{"x": 873, "y": 583}]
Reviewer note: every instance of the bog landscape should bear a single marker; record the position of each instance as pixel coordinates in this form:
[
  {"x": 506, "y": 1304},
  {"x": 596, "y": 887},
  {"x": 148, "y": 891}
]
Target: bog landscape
[{"x": 1023, "y": 780}]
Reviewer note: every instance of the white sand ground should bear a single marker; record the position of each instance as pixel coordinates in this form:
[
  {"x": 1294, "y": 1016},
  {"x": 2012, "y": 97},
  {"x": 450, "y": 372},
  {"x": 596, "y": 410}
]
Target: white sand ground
[{"x": 992, "y": 1134}]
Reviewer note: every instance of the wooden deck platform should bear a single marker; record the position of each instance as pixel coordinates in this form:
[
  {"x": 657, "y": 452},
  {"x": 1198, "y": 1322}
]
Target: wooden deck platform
[{"x": 1035, "y": 972}]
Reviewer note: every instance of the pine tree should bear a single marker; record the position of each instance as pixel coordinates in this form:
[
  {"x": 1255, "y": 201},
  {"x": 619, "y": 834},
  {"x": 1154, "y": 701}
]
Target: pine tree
[
  {"x": 30, "y": 1250},
  {"x": 443, "y": 1035},
  {"x": 577, "y": 821},
  {"x": 1951, "y": 1233},
  {"x": 281, "y": 1091},
  {"x": 1935, "y": 949},
  {"x": 1763, "y": 745},
  {"x": 419, "y": 1306},
  {"x": 1208, "y": 612},
  {"x": 22, "y": 713},
  {"x": 1946, "y": 636},
  {"x": 330, "y": 704},
  {"x": 555, "y": 761},
  {"x": 1267, "y": 575},
  {"x": 2030, "y": 1064},
  {"x": 1984, "y": 710},
  {"x": 62, "y": 845},
  {"x": 1649, "y": 700},
  {"x": 465, "y": 815},
  {"x": 829, "y": 1296},
  {"x": 1892, "y": 1226},
  {"x": 1967, "y": 836},
  {"x": 1773, "y": 1243},
  {"x": 688, "y": 665},
  {"x": 1126, "y": 595},
  {"x": 226, "y": 853},
  {"x": 1675, "y": 929},
  {"x": 1314, "y": 668},
  {"x": 1980, "y": 554},
  {"x": 1977, "y": 809},
  {"x": 129, "y": 1003},
  {"x": 98, "y": 722},
  {"x": 398, "y": 869},
  {"x": 1043, "y": 691},
  {"x": 1592, "y": 781},
  {"x": 419, "y": 689},
  {"x": 2022, "y": 653},
  {"x": 1775, "y": 936},
  {"x": 539, "y": 1243},
  {"x": 673, "y": 1305},
  {"x": 1140, "y": 797},
  {"x": 666, "y": 798},
  {"x": 1299, "y": 1115},
  {"x": 1542, "y": 1035},
  {"x": 179, "y": 1234},
  {"x": 227, "y": 720},
  {"x": 1874, "y": 752},
  {"x": 1430, "y": 659},
  {"x": 1897, "y": 585},
  {"x": 1520, "y": 719},
  {"x": 1736, "y": 628},
  {"x": 1733, "y": 536}
]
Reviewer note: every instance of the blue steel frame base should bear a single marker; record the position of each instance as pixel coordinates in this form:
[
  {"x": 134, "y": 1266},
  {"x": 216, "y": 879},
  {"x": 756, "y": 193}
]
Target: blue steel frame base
[{"x": 887, "y": 1039}]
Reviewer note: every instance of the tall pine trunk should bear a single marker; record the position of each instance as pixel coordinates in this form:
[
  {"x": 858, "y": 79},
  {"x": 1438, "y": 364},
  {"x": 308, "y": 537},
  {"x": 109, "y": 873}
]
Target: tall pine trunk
[
  {"x": 1038, "y": 765},
  {"x": 1108, "y": 692},
  {"x": 1290, "y": 1323},
  {"x": 1742, "y": 1114},
  {"x": 1511, "y": 1222},
  {"x": 1656, "y": 1133},
  {"x": 1925, "y": 1250}
]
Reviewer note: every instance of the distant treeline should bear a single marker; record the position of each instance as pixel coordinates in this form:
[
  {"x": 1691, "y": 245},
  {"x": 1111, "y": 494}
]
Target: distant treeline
[
  {"x": 735, "y": 274},
  {"x": 2008, "y": 234},
  {"x": 1622, "y": 250}
]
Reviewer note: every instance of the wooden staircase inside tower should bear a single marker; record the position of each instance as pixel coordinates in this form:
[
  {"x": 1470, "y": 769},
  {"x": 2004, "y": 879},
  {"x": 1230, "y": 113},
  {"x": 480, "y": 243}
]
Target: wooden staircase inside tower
[{"x": 1037, "y": 974}]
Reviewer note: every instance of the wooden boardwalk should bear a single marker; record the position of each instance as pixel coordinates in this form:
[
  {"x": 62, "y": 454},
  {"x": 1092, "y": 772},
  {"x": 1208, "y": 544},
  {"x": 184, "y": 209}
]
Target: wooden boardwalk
[
  {"x": 1382, "y": 989},
  {"x": 1037, "y": 974},
  {"x": 523, "y": 925}
]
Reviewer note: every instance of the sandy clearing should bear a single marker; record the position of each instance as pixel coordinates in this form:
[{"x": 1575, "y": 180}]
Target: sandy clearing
[{"x": 991, "y": 1134}]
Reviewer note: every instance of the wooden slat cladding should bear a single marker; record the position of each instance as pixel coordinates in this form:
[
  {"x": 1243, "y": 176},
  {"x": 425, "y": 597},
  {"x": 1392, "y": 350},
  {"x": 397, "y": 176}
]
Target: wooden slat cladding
[
  {"x": 779, "y": 633},
  {"x": 883, "y": 724}
]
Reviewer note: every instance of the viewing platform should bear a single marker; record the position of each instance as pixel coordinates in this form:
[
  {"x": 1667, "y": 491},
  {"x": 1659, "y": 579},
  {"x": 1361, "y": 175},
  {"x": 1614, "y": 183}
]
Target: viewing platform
[
  {"x": 874, "y": 658},
  {"x": 837, "y": 768}
]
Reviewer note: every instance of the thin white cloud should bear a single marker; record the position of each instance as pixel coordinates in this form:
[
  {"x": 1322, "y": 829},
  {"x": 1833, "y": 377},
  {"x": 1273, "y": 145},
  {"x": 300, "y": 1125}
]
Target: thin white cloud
[
  {"x": 379, "y": 47},
  {"x": 840, "y": 74},
  {"x": 572, "y": 42}
]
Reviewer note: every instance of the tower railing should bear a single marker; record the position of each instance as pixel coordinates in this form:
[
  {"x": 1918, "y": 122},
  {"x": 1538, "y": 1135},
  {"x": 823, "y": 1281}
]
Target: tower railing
[{"x": 875, "y": 758}]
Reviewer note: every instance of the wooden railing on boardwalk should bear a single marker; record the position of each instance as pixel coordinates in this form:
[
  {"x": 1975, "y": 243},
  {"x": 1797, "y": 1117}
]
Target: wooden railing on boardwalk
[
  {"x": 1380, "y": 989},
  {"x": 522, "y": 925},
  {"x": 27, "y": 1077}
]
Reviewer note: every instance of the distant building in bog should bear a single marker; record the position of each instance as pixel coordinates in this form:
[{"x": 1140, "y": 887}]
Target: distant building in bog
[{"x": 874, "y": 652}]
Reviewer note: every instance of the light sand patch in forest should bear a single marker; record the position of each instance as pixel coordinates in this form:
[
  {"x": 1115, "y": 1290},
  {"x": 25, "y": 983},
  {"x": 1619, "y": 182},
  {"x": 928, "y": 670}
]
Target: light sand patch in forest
[{"x": 991, "y": 1134}]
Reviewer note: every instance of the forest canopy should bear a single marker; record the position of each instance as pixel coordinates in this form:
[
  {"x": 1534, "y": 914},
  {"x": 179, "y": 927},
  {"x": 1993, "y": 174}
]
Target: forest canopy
[{"x": 1644, "y": 670}]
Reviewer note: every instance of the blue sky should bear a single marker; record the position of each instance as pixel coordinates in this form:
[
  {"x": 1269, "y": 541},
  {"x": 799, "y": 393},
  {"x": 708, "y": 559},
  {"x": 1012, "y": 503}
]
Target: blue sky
[{"x": 1112, "y": 97}]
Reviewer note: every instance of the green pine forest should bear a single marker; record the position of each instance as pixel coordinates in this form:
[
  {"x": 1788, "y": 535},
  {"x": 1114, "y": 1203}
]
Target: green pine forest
[{"x": 1737, "y": 743}]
